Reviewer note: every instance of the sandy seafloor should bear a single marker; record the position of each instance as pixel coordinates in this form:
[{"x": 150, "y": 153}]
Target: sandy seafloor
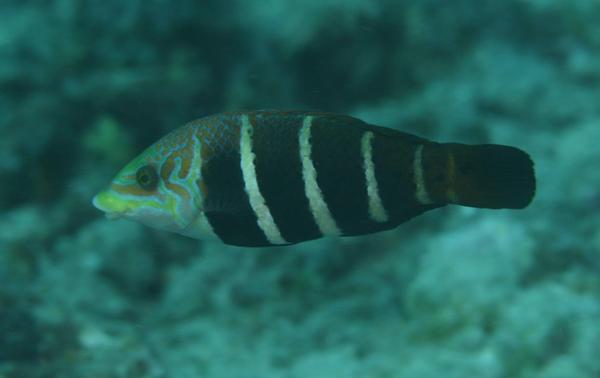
[{"x": 86, "y": 85}]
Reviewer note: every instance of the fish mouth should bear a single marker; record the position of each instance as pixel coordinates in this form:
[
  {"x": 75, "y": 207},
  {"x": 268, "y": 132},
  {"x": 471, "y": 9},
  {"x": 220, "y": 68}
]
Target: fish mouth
[{"x": 109, "y": 204}]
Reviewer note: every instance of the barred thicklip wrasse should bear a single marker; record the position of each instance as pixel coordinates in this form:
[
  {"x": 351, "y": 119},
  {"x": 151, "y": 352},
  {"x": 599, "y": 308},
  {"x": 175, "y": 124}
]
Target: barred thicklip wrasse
[{"x": 278, "y": 177}]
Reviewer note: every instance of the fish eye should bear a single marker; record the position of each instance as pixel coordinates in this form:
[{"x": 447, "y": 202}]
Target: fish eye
[{"x": 147, "y": 178}]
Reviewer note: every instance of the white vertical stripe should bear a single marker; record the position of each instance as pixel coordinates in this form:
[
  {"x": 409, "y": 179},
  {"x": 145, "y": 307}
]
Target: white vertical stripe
[
  {"x": 376, "y": 210},
  {"x": 421, "y": 192},
  {"x": 263, "y": 215},
  {"x": 317, "y": 204}
]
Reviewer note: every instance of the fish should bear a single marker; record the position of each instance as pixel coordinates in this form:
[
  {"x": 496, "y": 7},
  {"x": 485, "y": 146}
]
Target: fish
[{"x": 275, "y": 178}]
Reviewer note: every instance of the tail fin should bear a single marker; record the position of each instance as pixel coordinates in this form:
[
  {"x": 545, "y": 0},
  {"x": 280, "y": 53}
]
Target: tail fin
[{"x": 492, "y": 176}]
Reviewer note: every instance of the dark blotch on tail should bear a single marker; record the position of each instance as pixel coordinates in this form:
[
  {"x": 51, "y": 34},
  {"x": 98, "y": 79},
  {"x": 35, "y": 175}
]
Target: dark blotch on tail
[{"x": 493, "y": 176}]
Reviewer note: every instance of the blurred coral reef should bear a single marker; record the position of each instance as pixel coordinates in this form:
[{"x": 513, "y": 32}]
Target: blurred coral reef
[{"x": 455, "y": 293}]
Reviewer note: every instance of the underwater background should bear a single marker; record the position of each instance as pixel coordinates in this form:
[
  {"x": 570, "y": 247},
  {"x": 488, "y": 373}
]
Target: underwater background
[{"x": 458, "y": 292}]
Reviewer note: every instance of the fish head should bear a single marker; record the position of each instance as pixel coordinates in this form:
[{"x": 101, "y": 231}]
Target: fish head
[{"x": 152, "y": 189}]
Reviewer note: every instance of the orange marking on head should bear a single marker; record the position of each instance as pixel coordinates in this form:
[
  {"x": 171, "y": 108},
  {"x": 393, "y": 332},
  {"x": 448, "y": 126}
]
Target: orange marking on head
[
  {"x": 202, "y": 187},
  {"x": 165, "y": 173},
  {"x": 177, "y": 189},
  {"x": 185, "y": 166},
  {"x": 131, "y": 190},
  {"x": 167, "y": 168},
  {"x": 187, "y": 155}
]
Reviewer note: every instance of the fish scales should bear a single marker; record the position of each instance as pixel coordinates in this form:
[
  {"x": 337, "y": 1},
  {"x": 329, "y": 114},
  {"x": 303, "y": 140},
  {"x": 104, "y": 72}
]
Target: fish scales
[{"x": 267, "y": 178}]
